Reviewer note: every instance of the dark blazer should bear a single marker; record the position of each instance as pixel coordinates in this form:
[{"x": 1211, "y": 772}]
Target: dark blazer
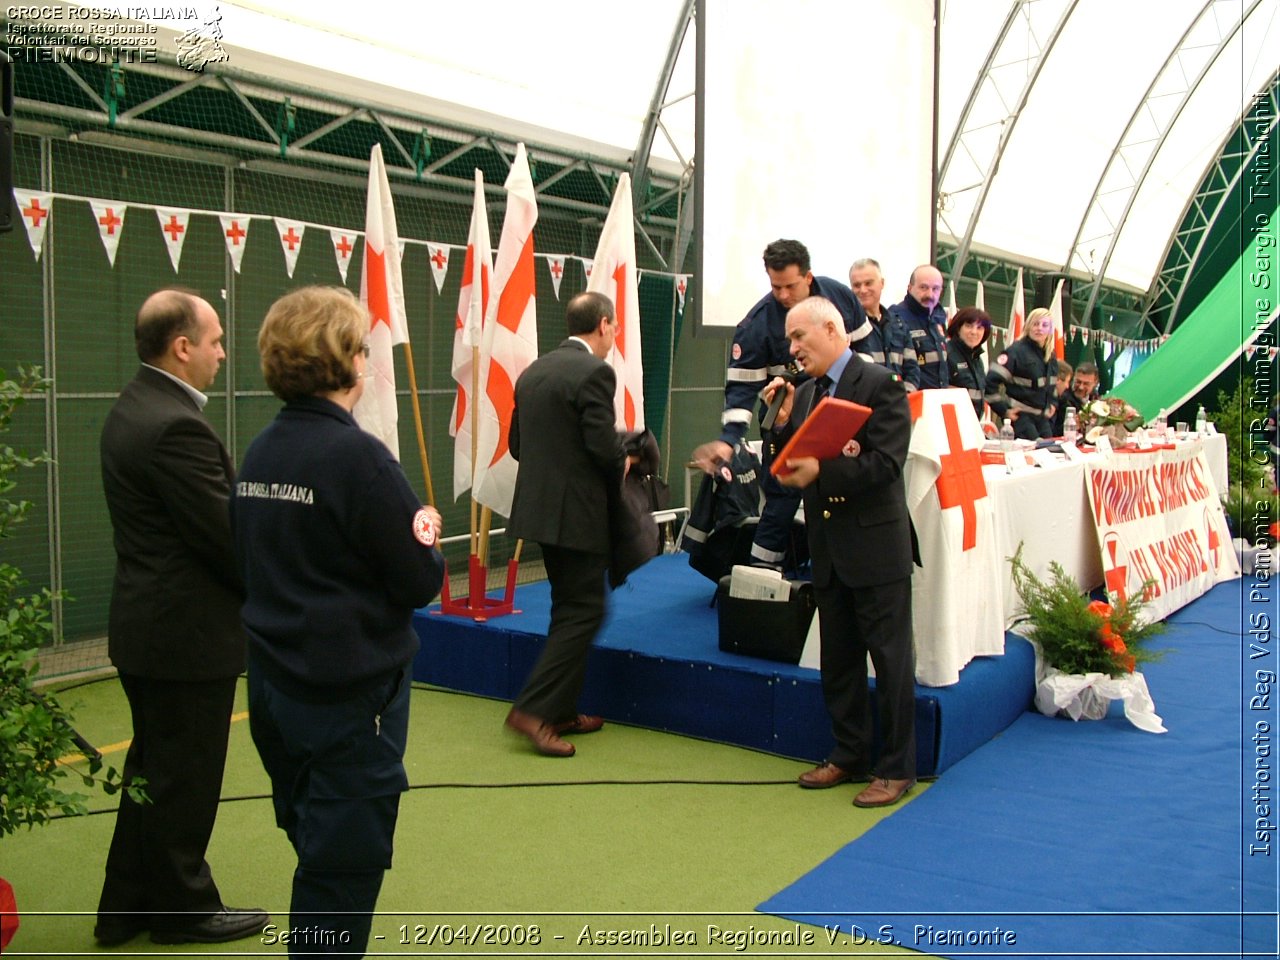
[
  {"x": 856, "y": 511},
  {"x": 175, "y": 601},
  {"x": 571, "y": 457}
]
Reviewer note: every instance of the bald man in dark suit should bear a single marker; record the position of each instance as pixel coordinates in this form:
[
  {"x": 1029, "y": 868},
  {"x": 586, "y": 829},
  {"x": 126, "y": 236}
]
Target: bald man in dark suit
[
  {"x": 174, "y": 630},
  {"x": 863, "y": 547},
  {"x": 572, "y": 464}
]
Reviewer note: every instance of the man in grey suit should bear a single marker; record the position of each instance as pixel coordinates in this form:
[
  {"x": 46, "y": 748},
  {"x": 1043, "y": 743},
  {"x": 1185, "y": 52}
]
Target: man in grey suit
[
  {"x": 572, "y": 464},
  {"x": 863, "y": 546},
  {"x": 174, "y": 630}
]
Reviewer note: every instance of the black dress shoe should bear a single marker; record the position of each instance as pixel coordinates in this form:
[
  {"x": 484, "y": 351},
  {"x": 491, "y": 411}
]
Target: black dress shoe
[
  {"x": 230, "y": 923},
  {"x": 113, "y": 929}
]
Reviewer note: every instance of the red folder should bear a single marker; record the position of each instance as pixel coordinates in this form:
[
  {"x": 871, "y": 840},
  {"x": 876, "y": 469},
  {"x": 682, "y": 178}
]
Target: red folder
[{"x": 824, "y": 433}]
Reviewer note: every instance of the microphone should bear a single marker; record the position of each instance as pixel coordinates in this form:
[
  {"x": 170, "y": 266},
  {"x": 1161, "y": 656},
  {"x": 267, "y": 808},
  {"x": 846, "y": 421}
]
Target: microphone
[{"x": 771, "y": 413}]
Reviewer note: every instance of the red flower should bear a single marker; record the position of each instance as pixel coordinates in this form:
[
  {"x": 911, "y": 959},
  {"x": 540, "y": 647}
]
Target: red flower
[{"x": 1108, "y": 637}]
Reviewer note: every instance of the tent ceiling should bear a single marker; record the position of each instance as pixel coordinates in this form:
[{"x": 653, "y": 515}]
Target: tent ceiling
[{"x": 582, "y": 75}]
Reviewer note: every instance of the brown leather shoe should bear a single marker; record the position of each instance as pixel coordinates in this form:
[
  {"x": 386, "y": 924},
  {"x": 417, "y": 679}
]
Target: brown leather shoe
[
  {"x": 543, "y": 735},
  {"x": 883, "y": 793},
  {"x": 824, "y": 775},
  {"x": 582, "y": 723}
]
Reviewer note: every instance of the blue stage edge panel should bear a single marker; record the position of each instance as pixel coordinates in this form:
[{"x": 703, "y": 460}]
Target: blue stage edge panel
[{"x": 657, "y": 664}]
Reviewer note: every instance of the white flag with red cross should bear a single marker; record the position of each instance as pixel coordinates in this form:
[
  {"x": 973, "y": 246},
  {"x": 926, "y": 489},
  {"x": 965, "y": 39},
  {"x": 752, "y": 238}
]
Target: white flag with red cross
[
  {"x": 509, "y": 342},
  {"x": 173, "y": 224},
  {"x": 235, "y": 231},
  {"x": 382, "y": 291},
  {"x": 473, "y": 302},
  {"x": 614, "y": 275},
  {"x": 35, "y": 210},
  {"x": 344, "y": 244}
]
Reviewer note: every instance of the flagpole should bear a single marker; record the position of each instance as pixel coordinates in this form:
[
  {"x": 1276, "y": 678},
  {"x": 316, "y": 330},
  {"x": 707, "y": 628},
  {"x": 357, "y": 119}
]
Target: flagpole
[
  {"x": 475, "y": 445},
  {"x": 417, "y": 419},
  {"x": 486, "y": 521}
]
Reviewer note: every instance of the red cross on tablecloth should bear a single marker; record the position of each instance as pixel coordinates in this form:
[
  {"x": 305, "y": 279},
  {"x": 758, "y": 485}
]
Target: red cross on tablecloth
[
  {"x": 290, "y": 238},
  {"x": 35, "y": 213},
  {"x": 110, "y": 221},
  {"x": 439, "y": 258},
  {"x": 173, "y": 228},
  {"x": 235, "y": 233},
  {"x": 343, "y": 246},
  {"x": 960, "y": 483}
]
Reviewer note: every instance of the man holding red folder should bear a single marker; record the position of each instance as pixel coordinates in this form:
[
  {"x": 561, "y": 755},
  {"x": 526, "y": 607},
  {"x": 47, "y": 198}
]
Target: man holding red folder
[{"x": 863, "y": 547}]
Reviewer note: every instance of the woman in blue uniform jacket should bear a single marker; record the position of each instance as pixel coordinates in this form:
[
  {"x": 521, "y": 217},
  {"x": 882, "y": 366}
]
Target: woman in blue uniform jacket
[
  {"x": 966, "y": 334},
  {"x": 336, "y": 551}
]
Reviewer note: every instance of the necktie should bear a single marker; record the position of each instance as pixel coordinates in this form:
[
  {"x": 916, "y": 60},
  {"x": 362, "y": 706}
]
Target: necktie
[{"x": 821, "y": 388}]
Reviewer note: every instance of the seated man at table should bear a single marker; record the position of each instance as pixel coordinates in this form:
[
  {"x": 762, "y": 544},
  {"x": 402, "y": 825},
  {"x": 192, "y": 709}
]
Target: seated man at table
[{"x": 1084, "y": 388}]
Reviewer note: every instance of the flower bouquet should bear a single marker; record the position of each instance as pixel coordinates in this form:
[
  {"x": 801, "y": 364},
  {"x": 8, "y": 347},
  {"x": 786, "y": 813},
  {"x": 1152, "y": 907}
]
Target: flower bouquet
[
  {"x": 1110, "y": 416},
  {"x": 1087, "y": 651}
]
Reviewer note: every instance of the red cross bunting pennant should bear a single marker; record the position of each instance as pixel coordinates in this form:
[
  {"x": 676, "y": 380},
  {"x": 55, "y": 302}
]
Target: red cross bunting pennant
[
  {"x": 291, "y": 232},
  {"x": 235, "y": 230},
  {"x": 35, "y": 208},
  {"x": 587, "y": 266},
  {"x": 556, "y": 266},
  {"x": 438, "y": 254},
  {"x": 344, "y": 244},
  {"x": 682, "y": 286},
  {"x": 110, "y": 217},
  {"x": 173, "y": 226}
]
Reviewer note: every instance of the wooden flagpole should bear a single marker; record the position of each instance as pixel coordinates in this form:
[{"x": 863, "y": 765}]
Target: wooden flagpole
[{"x": 417, "y": 419}]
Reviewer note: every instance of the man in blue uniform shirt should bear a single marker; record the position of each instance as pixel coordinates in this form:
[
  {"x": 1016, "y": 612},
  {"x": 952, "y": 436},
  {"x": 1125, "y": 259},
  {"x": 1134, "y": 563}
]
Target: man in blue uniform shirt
[
  {"x": 886, "y": 344},
  {"x": 760, "y": 352},
  {"x": 926, "y": 323}
]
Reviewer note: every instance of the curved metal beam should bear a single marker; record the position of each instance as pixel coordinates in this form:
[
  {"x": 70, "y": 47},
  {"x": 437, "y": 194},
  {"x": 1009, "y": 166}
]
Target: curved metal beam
[
  {"x": 1007, "y": 123},
  {"x": 1207, "y": 13}
]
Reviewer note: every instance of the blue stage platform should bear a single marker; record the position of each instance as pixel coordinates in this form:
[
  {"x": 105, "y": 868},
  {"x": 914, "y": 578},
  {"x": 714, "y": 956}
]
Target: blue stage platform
[{"x": 657, "y": 664}]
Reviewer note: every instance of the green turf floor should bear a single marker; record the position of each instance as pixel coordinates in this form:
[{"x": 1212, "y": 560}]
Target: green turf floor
[{"x": 641, "y": 830}]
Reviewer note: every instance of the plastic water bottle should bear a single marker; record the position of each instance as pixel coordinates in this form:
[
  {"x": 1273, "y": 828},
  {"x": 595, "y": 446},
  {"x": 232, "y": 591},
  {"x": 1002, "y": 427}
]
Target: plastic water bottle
[
  {"x": 1200, "y": 418},
  {"x": 1162, "y": 426},
  {"x": 1007, "y": 435},
  {"x": 1070, "y": 427}
]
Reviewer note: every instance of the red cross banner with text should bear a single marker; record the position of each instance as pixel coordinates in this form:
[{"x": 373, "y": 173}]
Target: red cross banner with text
[
  {"x": 468, "y": 325},
  {"x": 614, "y": 275},
  {"x": 1159, "y": 518},
  {"x": 382, "y": 291},
  {"x": 955, "y": 525},
  {"x": 509, "y": 342}
]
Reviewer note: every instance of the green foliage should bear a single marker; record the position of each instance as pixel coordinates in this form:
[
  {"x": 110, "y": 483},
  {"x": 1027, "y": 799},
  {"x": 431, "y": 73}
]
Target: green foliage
[
  {"x": 35, "y": 731},
  {"x": 1078, "y": 636}
]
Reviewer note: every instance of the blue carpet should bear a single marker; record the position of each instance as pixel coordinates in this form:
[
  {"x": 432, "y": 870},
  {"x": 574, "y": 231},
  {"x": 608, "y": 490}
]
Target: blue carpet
[{"x": 1092, "y": 838}]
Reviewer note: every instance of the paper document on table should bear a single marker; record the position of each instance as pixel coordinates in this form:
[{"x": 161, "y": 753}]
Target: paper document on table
[{"x": 758, "y": 583}]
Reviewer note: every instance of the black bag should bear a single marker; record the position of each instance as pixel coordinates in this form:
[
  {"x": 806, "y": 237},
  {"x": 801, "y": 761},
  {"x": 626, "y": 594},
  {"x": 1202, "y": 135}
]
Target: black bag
[
  {"x": 769, "y": 629},
  {"x": 634, "y": 534}
]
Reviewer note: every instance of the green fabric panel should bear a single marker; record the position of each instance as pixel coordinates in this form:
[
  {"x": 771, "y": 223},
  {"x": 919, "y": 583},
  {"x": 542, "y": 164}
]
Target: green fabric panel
[{"x": 1236, "y": 309}]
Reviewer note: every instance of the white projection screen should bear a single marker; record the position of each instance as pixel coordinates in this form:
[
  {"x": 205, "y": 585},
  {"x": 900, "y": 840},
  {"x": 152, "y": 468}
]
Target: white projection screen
[{"x": 815, "y": 123}]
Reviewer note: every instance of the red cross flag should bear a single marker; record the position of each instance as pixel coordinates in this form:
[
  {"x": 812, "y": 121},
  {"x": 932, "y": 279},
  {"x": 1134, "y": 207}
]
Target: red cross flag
[
  {"x": 110, "y": 217},
  {"x": 235, "y": 230},
  {"x": 382, "y": 291},
  {"x": 438, "y": 255},
  {"x": 1055, "y": 311},
  {"x": 955, "y": 526},
  {"x": 344, "y": 244},
  {"x": 473, "y": 303},
  {"x": 1018, "y": 313},
  {"x": 509, "y": 342},
  {"x": 291, "y": 232},
  {"x": 173, "y": 224},
  {"x": 614, "y": 275},
  {"x": 35, "y": 208},
  {"x": 556, "y": 266}
]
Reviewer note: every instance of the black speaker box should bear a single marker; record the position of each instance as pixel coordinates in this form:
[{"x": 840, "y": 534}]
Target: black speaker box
[
  {"x": 769, "y": 629},
  {"x": 7, "y": 212},
  {"x": 1046, "y": 283}
]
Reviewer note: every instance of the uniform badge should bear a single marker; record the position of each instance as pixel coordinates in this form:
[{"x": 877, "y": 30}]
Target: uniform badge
[
  {"x": 1002, "y": 359},
  {"x": 423, "y": 531},
  {"x": 737, "y": 351},
  {"x": 852, "y": 449}
]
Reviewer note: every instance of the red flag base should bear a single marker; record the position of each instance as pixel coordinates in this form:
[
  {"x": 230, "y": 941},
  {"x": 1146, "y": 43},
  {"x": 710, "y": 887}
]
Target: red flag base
[{"x": 476, "y": 604}]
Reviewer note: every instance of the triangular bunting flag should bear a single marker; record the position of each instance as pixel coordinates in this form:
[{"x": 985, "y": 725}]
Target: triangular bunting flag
[
  {"x": 35, "y": 208},
  {"x": 173, "y": 225},
  {"x": 682, "y": 287},
  {"x": 110, "y": 217},
  {"x": 235, "y": 230},
  {"x": 438, "y": 254},
  {"x": 586, "y": 267},
  {"x": 291, "y": 232},
  {"x": 556, "y": 266},
  {"x": 344, "y": 244}
]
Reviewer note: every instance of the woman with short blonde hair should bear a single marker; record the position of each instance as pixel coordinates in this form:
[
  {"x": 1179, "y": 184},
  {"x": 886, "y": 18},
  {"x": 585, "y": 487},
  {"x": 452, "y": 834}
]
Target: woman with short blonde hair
[{"x": 309, "y": 341}]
